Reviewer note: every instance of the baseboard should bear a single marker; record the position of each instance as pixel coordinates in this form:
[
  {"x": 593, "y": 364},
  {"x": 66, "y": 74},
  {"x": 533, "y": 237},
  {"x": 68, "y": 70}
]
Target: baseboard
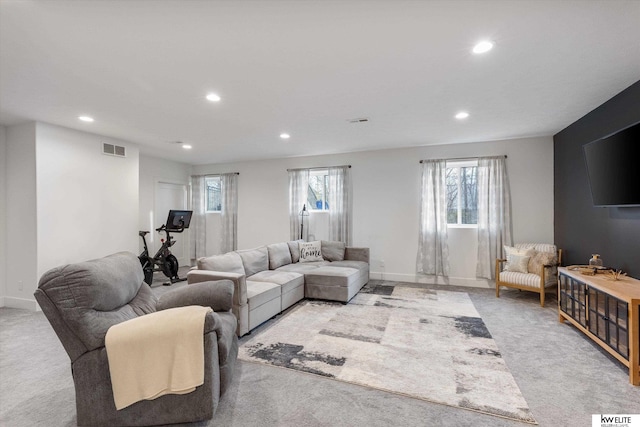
[
  {"x": 22, "y": 303},
  {"x": 432, "y": 280}
]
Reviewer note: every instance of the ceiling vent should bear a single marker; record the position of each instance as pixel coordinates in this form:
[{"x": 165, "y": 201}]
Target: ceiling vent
[
  {"x": 358, "y": 120},
  {"x": 113, "y": 150}
]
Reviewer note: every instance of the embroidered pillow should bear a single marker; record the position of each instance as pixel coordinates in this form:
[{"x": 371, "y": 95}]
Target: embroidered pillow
[
  {"x": 310, "y": 251},
  {"x": 518, "y": 263}
]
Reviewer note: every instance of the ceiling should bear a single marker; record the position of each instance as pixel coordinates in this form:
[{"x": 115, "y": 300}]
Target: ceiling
[{"x": 142, "y": 69}]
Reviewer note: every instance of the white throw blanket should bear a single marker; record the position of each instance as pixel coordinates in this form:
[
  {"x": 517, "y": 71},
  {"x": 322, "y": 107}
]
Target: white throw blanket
[{"x": 156, "y": 354}]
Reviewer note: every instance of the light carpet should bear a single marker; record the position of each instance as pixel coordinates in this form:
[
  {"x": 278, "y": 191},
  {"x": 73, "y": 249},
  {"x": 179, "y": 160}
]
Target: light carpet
[{"x": 422, "y": 343}]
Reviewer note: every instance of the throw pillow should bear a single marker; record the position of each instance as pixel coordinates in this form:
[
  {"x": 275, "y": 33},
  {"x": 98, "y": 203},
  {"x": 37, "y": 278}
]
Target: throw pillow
[
  {"x": 279, "y": 255},
  {"x": 254, "y": 260},
  {"x": 310, "y": 251},
  {"x": 294, "y": 248},
  {"x": 332, "y": 251},
  {"x": 510, "y": 251},
  {"x": 229, "y": 263},
  {"x": 538, "y": 259},
  {"x": 518, "y": 263}
]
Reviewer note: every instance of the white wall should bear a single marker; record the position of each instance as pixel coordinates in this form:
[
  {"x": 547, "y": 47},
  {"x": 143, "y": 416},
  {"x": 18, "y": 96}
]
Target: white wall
[
  {"x": 153, "y": 171},
  {"x": 21, "y": 219},
  {"x": 386, "y": 191},
  {"x": 87, "y": 201},
  {"x": 3, "y": 214}
]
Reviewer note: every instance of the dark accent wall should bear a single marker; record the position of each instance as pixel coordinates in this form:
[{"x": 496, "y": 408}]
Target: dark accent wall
[{"x": 580, "y": 228}]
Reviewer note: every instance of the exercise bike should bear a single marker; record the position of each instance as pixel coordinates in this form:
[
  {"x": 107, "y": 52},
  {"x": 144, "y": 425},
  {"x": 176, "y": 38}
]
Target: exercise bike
[{"x": 164, "y": 260}]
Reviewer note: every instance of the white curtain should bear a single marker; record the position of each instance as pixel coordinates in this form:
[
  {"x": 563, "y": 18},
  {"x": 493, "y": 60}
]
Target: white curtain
[
  {"x": 494, "y": 214},
  {"x": 433, "y": 249},
  {"x": 340, "y": 204},
  {"x": 298, "y": 187},
  {"x": 198, "y": 228},
  {"x": 229, "y": 213}
]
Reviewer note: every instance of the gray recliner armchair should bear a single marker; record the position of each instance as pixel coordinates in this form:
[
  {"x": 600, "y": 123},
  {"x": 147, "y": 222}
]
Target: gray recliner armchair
[{"x": 81, "y": 301}]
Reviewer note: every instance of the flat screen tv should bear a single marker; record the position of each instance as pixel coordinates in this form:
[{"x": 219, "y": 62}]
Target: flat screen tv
[
  {"x": 178, "y": 220},
  {"x": 613, "y": 165}
]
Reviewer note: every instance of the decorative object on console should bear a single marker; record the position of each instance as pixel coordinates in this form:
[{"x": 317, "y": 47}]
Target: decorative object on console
[
  {"x": 595, "y": 260},
  {"x": 616, "y": 274}
]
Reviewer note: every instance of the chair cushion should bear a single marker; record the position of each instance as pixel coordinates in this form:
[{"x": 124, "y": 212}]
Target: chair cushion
[
  {"x": 228, "y": 263},
  {"x": 524, "y": 279},
  {"x": 332, "y": 250},
  {"x": 303, "y": 267},
  {"x": 254, "y": 260},
  {"x": 279, "y": 255}
]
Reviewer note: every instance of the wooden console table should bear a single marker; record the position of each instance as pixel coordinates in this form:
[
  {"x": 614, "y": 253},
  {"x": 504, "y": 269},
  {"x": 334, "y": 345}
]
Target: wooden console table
[{"x": 606, "y": 311}]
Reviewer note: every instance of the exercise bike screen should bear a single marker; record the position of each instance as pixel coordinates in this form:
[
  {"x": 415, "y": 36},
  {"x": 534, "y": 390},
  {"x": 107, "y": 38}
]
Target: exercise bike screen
[{"x": 175, "y": 218}]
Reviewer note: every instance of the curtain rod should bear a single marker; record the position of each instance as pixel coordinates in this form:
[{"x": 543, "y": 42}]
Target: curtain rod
[
  {"x": 216, "y": 174},
  {"x": 320, "y": 167},
  {"x": 467, "y": 158}
]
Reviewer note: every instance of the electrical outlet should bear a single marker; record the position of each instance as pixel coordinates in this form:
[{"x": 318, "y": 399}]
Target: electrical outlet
[
  {"x": 381, "y": 263},
  {"x": 19, "y": 285}
]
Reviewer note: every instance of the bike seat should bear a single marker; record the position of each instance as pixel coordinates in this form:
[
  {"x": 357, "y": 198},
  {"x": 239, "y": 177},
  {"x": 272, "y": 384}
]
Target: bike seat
[{"x": 142, "y": 233}]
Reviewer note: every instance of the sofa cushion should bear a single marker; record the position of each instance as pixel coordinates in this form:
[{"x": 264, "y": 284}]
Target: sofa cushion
[
  {"x": 259, "y": 293},
  {"x": 332, "y": 250},
  {"x": 279, "y": 255},
  {"x": 286, "y": 279},
  {"x": 302, "y": 267},
  {"x": 360, "y": 265},
  {"x": 332, "y": 276},
  {"x": 310, "y": 251},
  {"x": 228, "y": 263},
  {"x": 294, "y": 248},
  {"x": 254, "y": 260}
]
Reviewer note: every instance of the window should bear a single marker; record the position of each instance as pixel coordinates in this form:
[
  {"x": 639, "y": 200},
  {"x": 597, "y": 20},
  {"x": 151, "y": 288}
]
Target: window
[
  {"x": 212, "y": 194},
  {"x": 462, "y": 193},
  {"x": 318, "y": 194}
]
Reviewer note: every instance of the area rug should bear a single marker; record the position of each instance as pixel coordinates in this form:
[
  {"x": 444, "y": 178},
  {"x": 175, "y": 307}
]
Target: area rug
[{"x": 421, "y": 343}]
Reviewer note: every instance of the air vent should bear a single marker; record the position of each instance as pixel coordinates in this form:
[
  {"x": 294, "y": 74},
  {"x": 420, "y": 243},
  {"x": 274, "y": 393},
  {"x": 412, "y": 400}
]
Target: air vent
[
  {"x": 113, "y": 150},
  {"x": 358, "y": 120}
]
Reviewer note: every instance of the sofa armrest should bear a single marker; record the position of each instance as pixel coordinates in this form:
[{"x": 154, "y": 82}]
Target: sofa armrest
[
  {"x": 239, "y": 282},
  {"x": 356, "y": 254},
  {"x": 215, "y": 294}
]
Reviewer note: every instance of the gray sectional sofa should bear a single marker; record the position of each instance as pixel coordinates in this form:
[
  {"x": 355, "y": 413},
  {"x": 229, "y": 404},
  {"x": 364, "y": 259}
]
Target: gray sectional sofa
[{"x": 270, "y": 279}]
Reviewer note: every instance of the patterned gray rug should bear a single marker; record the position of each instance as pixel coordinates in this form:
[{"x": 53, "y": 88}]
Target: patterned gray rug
[{"x": 421, "y": 343}]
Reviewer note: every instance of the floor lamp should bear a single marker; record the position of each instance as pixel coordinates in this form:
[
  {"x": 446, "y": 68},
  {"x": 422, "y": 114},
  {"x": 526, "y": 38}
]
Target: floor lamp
[{"x": 303, "y": 213}]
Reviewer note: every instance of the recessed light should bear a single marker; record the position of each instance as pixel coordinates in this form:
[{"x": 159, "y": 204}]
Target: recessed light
[
  {"x": 186, "y": 146},
  {"x": 86, "y": 119},
  {"x": 483, "y": 46},
  {"x": 462, "y": 115},
  {"x": 213, "y": 97},
  {"x": 285, "y": 136}
]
